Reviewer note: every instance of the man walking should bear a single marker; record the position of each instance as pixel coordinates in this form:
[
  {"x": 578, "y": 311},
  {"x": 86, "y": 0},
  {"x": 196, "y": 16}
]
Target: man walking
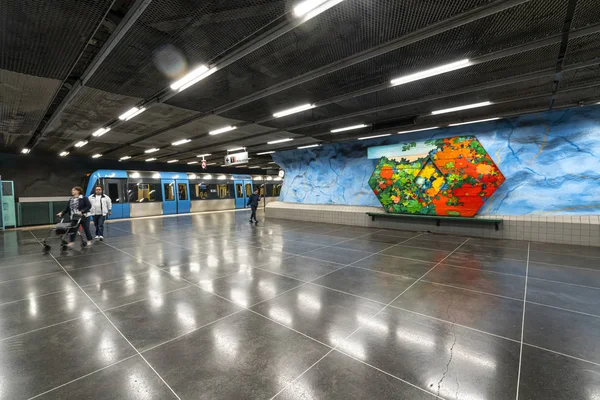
[
  {"x": 101, "y": 207},
  {"x": 253, "y": 202}
]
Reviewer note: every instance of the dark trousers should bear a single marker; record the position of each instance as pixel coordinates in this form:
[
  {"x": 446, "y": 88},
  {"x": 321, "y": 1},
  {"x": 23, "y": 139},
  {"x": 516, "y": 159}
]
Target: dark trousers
[
  {"x": 99, "y": 224},
  {"x": 85, "y": 224},
  {"x": 253, "y": 215}
]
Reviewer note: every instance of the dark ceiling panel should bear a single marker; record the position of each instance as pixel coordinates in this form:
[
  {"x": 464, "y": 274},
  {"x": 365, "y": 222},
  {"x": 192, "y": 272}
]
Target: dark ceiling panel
[
  {"x": 346, "y": 29},
  {"x": 586, "y": 13},
  {"x": 580, "y": 77},
  {"x": 44, "y": 38},
  {"x": 172, "y": 36},
  {"x": 23, "y": 102},
  {"x": 583, "y": 49}
]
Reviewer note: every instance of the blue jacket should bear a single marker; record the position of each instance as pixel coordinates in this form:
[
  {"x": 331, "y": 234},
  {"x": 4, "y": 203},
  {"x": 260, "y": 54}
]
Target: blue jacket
[{"x": 253, "y": 200}]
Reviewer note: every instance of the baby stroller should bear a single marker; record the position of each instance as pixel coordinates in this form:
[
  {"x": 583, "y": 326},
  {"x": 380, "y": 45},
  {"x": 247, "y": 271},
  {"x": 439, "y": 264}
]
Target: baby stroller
[{"x": 64, "y": 229}]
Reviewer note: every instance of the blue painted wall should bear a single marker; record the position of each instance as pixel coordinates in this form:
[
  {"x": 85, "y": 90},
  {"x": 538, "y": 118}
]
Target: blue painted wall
[{"x": 551, "y": 162}]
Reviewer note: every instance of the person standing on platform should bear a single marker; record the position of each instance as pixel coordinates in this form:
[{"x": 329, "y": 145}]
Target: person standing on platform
[
  {"x": 79, "y": 205},
  {"x": 253, "y": 203},
  {"x": 101, "y": 207}
]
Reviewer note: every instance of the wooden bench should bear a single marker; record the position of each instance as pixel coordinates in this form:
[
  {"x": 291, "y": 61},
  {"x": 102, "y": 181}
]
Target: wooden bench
[{"x": 438, "y": 219}]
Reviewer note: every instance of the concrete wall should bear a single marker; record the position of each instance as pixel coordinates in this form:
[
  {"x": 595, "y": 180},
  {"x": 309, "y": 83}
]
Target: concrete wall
[{"x": 551, "y": 162}]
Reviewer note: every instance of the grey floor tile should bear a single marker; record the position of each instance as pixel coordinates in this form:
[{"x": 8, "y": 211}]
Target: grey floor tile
[
  {"x": 487, "y": 262},
  {"x": 242, "y": 356},
  {"x": 339, "y": 256},
  {"x": 39, "y": 361},
  {"x": 107, "y": 272},
  {"x": 302, "y": 268},
  {"x": 447, "y": 360},
  {"x": 24, "y": 260},
  {"x": 577, "y": 276},
  {"x": 571, "y": 297},
  {"x": 205, "y": 270},
  {"x": 73, "y": 263},
  {"x": 395, "y": 265},
  {"x": 563, "y": 331},
  {"x": 29, "y": 270},
  {"x": 431, "y": 243},
  {"x": 34, "y": 286},
  {"x": 417, "y": 253},
  {"x": 569, "y": 260},
  {"x": 369, "y": 246}
]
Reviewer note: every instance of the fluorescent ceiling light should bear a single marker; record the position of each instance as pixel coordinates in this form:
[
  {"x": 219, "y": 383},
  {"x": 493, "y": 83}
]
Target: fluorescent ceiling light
[
  {"x": 373, "y": 137},
  {"x": 349, "y": 128},
  {"x": 432, "y": 72},
  {"x": 254, "y": 166},
  {"x": 419, "y": 130},
  {"x": 131, "y": 113},
  {"x": 151, "y": 159},
  {"x": 64, "y": 154},
  {"x": 100, "y": 132},
  {"x": 221, "y": 177},
  {"x": 124, "y": 158},
  {"x": 474, "y": 122},
  {"x": 280, "y": 141},
  {"x": 207, "y": 176},
  {"x": 311, "y": 8},
  {"x": 272, "y": 162},
  {"x": 25, "y": 150},
  {"x": 294, "y": 110},
  {"x": 459, "y": 108},
  {"x": 192, "y": 176},
  {"x": 222, "y": 130},
  {"x": 308, "y": 146},
  {"x": 258, "y": 178},
  {"x": 135, "y": 175},
  {"x": 193, "y": 77},
  {"x": 204, "y": 155},
  {"x": 237, "y": 149},
  {"x": 172, "y": 161},
  {"x": 265, "y": 152},
  {"x": 154, "y": 150},
  {"x": 182, "y": 141},
  {"x": 193, "y": 162},
  {"x": 81, "y": 143},
  {"x": 156, "y": 175},
  {"x": 212, "y": 163},
  {"x": 97, "y": 155},
  {"x": 269, "y": 178}
]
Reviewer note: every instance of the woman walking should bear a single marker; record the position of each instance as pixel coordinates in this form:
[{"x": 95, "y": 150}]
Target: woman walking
[{"x": 79, "y": 205}]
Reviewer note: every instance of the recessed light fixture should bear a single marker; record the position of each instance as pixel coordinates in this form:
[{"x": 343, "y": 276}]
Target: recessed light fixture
[
  {"x": 64, "y": 154},
  {"x": 309, "y": 146},
  {"x": 81, "y": 143},
  {"x": 124, "y": 158},
  {"x": 431, "y": 72},
  {"x": 193, "y": 77},
  {"x": 374, "y": 137},
  {"x": 349, "y": 128},
  {"x": 204, "y": 155},
  {"x": 221, "y": 177},
  {"x": 192, "y": 176},
  {"x": 474, "y": 122},
  {"x": 192, "y": 162},
  {"x": 182, "y": 141},
  {"x": 460, "y": 108},
  {"x": 100, "y": 132},
  {"x": 419, "y": 130},
  {"x": 172, "y": 161},
  {"x": 265, "y": 152},
  {"x": 98, "y": 155},
  {"x": 156, "y": 176},
  {"x": 310, "y": 8},
  {"x": 222, "y": 130},
  {"x": 25, "y": 150},
  {"x": 131, "y": 113},
  {"x": 294, "y": 110},
  {"x": 154, "y": 150},
  {"x": 151, "y": 159},
  {"x": 237, "y": 149},
  {"x": 280, "y": 141}
]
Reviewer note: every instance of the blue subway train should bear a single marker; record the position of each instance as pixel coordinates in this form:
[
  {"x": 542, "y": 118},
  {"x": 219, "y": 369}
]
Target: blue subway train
[{"x": 149, "y": 193}]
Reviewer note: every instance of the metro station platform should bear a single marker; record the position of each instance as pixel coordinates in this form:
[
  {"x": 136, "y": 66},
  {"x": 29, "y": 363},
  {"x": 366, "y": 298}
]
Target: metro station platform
[{"x": 211, "y": 307}]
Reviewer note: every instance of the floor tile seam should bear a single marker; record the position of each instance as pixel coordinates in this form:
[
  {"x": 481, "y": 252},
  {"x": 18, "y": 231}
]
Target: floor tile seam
[
  {"x": 382, "y": 250},
  {"x": 97, "y": 265},
  {"x": 407, "y": 258},
  {"x": 483, "y": 270},
  {"x": 562, "y": 354},
  {"x": 523, "y": 321},
  {"x": 88, "y": 254},
  {"x": 32, "y": 276},
  {"x": 356, "y": 330},
  {"x": 563, "y": 309},
  {"x": 564, "y": 283},
  {"x": 484, "y": 253},
  {"x": 302, "y": 280},
  {"x": 473, "y": 290},
  {"x": 124, "y": 278},
  {"x": 345, "y": 239},
  {"x": 565, "y": 266},
  {"x": 147, "y": 236},
  {"x": 35, "y": 297},
  {"x": 26, "y": 263},
  {"x": 157, "y": 294},
  {"x": 91, "y": 313},
  {"x": 115, "y": 327},
  {"x": 83, "y": 376},
  {"x": 576, "y": 255}
]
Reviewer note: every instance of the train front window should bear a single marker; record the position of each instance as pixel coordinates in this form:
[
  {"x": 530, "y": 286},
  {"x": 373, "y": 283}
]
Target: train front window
[{"x": 113, "y": 193}]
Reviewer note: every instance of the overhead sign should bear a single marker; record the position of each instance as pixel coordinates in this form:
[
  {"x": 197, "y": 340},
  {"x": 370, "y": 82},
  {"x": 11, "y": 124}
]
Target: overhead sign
[{"x": 237, "y": 158}]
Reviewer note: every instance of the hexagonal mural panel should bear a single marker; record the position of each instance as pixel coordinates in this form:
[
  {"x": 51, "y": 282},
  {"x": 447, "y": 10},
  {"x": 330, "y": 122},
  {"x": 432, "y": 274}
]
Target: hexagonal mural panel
[{"x": 449, "y": 177}]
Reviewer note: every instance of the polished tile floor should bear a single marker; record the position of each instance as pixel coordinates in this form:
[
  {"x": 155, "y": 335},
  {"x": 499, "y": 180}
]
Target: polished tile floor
[{"x": 211, "y": 307}]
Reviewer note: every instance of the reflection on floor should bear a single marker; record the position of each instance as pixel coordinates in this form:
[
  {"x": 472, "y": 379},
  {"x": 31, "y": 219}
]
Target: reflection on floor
[{"x": 211, "y": 307}]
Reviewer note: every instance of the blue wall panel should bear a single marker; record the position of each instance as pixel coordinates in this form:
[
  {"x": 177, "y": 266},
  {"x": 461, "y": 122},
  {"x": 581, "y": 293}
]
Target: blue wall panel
[{"x": 551, "y": 161}]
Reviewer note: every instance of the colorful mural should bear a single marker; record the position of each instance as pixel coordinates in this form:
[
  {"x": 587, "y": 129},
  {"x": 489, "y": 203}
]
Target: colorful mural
[{"x": 450, "y": 176}]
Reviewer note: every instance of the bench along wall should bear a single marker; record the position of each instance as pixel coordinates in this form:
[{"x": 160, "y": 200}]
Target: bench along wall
[{"x": 551, "y": 162}]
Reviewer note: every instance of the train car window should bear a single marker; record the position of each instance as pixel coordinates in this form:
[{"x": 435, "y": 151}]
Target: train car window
[
  {"x": 143, "y": 192},
  {"x": 262, "y": 191},
  {"x": 183, "y": 191},
  {"x": 239, "y": 191},
  {"x": 276, "y": 190},
  {"x": 223, "y": 191},
  {"x": 113, "y": 193},
  {"x": 169, "y": 192},
  {"x": 248, "y": 190},
  {"x": 199, "y": 191}
]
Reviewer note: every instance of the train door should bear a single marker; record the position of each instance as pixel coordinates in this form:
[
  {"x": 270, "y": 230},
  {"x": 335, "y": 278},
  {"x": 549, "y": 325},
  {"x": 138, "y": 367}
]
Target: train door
[
  {"x": 169, "y": 196},
  {"x": 115, "y": 189},
  {"x": 240, "y": 198},
  {"x": 183, "y": 196},
  {"x": 248, "y": 189}
]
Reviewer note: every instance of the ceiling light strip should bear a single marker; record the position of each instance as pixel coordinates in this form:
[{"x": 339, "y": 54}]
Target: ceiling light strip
[
  {"x": 349, "y": 128},
  {"x": 222, "y": 130},
  {"x": 374, "y": 137},
  {"x": 131, "y": 113},
  {"x": 474, "y": 122},
  {"x": 431, "y": 72},
  {"x": 293, "y": 110},
  {"x": 280, "y": 141},
  {"x": 460, "y": 108},
  {"x": 419, "y": 130}
]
